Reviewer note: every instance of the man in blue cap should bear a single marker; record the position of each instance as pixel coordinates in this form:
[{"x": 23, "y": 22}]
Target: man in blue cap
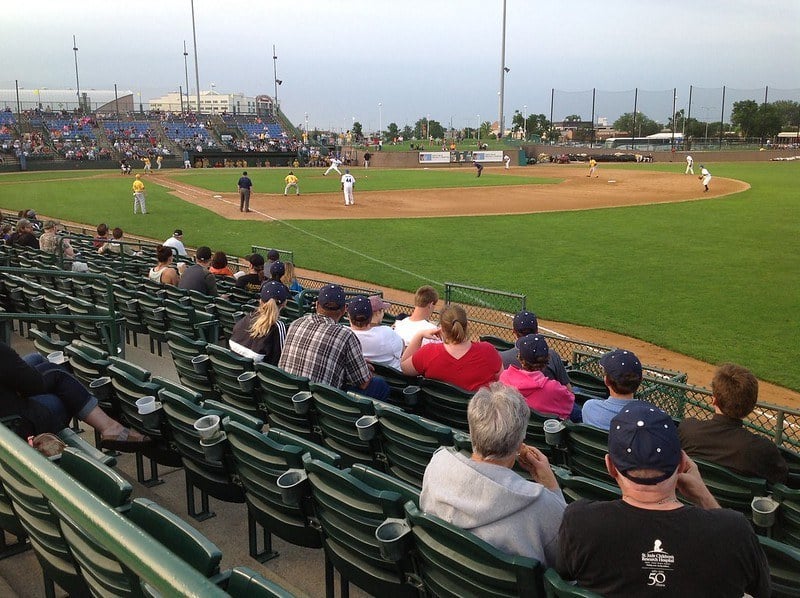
[
  {"x": 648, "y": 543},
  {"x": 318, "y": 348},
  {"x": 623, "y": 375}
]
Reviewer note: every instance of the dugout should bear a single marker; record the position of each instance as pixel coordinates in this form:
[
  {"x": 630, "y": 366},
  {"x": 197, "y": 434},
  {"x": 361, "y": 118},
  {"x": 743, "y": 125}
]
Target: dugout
[{"x": 218, "y": 159}]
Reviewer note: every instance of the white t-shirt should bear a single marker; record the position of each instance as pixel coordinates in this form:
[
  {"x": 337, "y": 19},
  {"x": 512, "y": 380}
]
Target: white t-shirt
[
  {"x": 176, "y": 244},
  {"x": 407, "y": 328},
  {"x": 689, "y": 160},
  {"x": 381, "y": 345}
]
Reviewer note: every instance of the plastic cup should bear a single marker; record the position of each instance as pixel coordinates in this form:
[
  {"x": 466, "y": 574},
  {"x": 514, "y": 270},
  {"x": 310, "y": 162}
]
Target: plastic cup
[
  {"x": 553, "y": 431},
  {"x": 247, "y": 381},
  {"x": 214, "y": 447},
  {"x": 366, "y": 425},
  {"x": 200, "y": 364},
  {"x": 101, "y": 387},
  {"x": 57, "y": 357},
  {"x": 411, "y": 395}
]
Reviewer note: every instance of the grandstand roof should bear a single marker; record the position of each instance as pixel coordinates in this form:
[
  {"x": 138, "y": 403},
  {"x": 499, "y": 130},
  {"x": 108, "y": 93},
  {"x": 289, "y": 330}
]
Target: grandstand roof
[{"x": 30, "y": 98}]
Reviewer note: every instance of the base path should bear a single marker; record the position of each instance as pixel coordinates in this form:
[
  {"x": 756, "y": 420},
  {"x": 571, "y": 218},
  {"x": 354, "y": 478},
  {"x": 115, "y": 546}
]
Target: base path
[{"x": 613, "y": 187}]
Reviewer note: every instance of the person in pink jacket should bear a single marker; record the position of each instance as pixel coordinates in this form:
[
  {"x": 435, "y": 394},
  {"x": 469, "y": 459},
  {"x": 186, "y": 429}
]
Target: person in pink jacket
[{"x": 540, "y": 392}]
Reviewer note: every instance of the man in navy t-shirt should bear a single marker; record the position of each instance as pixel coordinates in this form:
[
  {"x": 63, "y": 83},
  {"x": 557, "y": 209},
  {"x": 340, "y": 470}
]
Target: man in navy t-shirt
[{"x": 244, "y": 192}]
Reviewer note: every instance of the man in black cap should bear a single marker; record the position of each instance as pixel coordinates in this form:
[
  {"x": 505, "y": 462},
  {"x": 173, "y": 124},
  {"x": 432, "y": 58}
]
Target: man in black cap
[
  {"x": 244, "y": 185},
  {"x": 649, "y": 543},
  {"x": 197, "y": 277},
  {"x": 176, "y": 242},
  {"x": 318, "y": 348},
  {"x": 623, "y": 375},
  {"x": 525, "y": 323},
  {"x": 254, "y": 278}
]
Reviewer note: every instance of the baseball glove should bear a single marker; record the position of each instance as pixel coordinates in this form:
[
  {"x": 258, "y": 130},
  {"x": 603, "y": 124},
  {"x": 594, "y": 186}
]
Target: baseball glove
[{"x": 700, "y": 178}]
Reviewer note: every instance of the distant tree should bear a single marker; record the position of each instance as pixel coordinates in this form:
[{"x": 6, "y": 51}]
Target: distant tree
[
  {"x": 436, "y": 129},
  {"x": 644, "y": 125},
  {"x": 517, "y": 122},
  {"x": 573, "y": 118},
  {"x": 537, "y": 124},
  {"x": 407, "y": 132},
  {"x": 391, "y": 132},
  {"x": 745, "y": 117},
  {"x": 358, "y": 132},
  {"x": 789, "y": 112},
  {"x": 769, "y": 121},
  {"x": 486, "y": 129}
]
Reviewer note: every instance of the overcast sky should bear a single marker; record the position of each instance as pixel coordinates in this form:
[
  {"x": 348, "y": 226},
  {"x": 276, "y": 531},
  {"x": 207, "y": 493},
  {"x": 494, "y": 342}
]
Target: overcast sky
[{"x": 339, "y": 59}]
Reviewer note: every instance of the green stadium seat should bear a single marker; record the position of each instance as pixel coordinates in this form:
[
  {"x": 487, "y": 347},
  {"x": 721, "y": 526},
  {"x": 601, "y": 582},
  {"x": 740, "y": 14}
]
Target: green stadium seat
[
  {"x": 787, "y": 525},
  {"x": 453, "y": 562},
  {"x": 349, "y": 512},
  {"x": 576, "y": 487},
  {"x": 246, "y": 583},
  {"x": 260, "y": 460},
  {"x": 732, "y": 491},
  {"x": 586, "y": 451},
  {"x": 278, "y": 387},
  {"x": 555, "y": 587},
  {"x": 445, "y": 403},
  {"x": 784, "y": 568},
  {"x": 183, "y": 349},
  {"x": 226, "y": 367}
]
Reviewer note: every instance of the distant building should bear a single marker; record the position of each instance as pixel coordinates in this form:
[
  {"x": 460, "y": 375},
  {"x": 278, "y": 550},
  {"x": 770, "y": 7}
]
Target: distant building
[{"x": 211, "y": 102}]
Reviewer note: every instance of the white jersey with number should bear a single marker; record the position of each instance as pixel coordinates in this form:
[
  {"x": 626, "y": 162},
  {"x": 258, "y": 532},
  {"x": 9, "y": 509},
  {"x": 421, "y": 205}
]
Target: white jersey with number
[{"x": 348, "y": 180}]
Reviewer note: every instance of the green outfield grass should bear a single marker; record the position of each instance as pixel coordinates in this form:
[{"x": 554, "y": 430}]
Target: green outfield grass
[
  {"x": 716, "y": 279},
  {"x": 270, "y": 180}
]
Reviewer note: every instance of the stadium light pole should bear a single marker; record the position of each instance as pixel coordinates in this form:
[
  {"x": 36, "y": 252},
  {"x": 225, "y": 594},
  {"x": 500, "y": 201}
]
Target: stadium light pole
[
  {"x": 275, "y": 73},
  {"x": 503, "y": 71},
  {"x": 186, "y": 72},
  {"x": 525, "y": 122},
  {"x": 478, "y": 131},
  {"x": 380, "y": 119},
  {"x": 196, "y": 67},
  {"x": 77, "y": 81}
]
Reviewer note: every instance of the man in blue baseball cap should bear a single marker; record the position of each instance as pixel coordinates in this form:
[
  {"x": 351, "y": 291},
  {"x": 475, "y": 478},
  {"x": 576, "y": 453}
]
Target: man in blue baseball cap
[
  {"x": 318, "y": 348},
  {"x": 649, "y": 543},
  {"x": 623, "y": 375}
]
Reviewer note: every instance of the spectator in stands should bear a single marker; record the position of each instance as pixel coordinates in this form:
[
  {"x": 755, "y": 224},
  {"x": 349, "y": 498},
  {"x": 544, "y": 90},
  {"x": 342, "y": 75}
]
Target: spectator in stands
[
  {"x": 6, "y": 234},
  {"x": 176, "y": 242},
  {"x": 51, "y": 242},
  {"x": 379, "y": 344},
  {"x": 254, "y": 278},
  {"x": 325, "y": 352},
  {"x": 273, "y": 256},
  {"x": 261, "y": 334},
  {"x": 35, "y": 222},
  {"x": 723, "y": 439},
  {"x": 425, "y": 300},
  {"x": 648, "y": 542},
  {"x": 623, "y": 375},
  {"x": 116, "y": 246},
  {"x": 47, "y": 397},
  {"x": 290, "y": 280},
  {"x": 483, "y": 495},
  {"x": 163, "y": 272},
  {"x": 219, "y": 264},
  {"x": 459, "y": 361},
  {"x": 525, "y": 323},
  {"x": 379, "y": 307},
  {"x": 197, "y": 277},
  {"x": 540, "y": 392},
  {"x": 102, "y": 236},
  {"x": 23, "y": 236}
]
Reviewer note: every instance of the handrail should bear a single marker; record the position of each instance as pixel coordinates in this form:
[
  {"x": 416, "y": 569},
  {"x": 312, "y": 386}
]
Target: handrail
[{"x": 144, "y": 555}]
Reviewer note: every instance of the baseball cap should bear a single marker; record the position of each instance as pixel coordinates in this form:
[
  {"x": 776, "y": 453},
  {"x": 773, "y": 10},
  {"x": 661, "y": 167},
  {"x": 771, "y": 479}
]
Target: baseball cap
[
  {"x": 378, "y": 303},
  {"x": 531, "y": 347},
  {"x": 359, "y": 308},
  {"x": 331, "y": 296},
  {"x": 526, "y": 321},
  {"x": 347, "y": 171},
  {"x": 178, "y": 233},
  {"x": 30, "y": 214},
  {"x": 273, "y": 255},
  {"x": 203, "y": 253},
  {"x": 277, "y": 269},
  {"x": 642, "y": 436},
  {"x": 619, "y": 362},
  {"x": 256, "y": 260},
  {"x": 138, "y": 176},
  {"x": 50, "y": 224},
  {"x": 274, "y": 289}
]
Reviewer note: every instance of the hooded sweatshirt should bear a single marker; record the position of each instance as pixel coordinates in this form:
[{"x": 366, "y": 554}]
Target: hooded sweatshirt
[
  {"x": 540, "y": 392},
  {"x": 494, "y": 503}
]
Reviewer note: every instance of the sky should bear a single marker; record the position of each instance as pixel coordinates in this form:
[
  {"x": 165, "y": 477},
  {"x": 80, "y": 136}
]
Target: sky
[{"x": 377, "y": 62}]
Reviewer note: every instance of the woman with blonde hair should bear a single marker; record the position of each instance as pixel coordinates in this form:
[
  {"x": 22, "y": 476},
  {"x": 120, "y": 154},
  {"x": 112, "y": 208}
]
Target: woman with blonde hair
[
  {"x": 456, "y": 360},
  {"x": 260, "y": 335},
  {"x": 163, "y": 271},
  {"x": 289, "y": 278}
]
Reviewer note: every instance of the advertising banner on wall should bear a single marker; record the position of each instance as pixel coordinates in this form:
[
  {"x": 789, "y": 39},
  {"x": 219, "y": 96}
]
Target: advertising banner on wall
[{"x": 434, "y": 157}]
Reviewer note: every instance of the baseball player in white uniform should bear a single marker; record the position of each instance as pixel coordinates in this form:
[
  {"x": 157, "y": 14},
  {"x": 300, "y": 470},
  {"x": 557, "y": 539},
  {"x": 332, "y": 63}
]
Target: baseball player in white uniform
[
  {"x": 689, "y": 165},
  {"x": 348, "y": 182},
  {"x": 335, "y": 163},
  {"x": 706, "y": 176},
  {"x": 507, "y": 160}
]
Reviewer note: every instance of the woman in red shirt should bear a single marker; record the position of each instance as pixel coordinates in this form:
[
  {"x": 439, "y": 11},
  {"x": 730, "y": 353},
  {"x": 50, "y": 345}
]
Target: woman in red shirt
[{"x": 456, "y": 360}]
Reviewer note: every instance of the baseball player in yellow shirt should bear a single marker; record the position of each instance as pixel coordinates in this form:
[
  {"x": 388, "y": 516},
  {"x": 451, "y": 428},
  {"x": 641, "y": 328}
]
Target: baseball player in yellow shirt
[
  {"x": 592, "y": 168},
  {"x": 138, "y": 194},
  {"x": 146, "y": 161},
  {"x": 291, "y": 181}
]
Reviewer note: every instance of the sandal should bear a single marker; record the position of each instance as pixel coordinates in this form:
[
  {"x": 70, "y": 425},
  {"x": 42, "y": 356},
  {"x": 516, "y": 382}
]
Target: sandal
[{"x": 125, "y": 442}]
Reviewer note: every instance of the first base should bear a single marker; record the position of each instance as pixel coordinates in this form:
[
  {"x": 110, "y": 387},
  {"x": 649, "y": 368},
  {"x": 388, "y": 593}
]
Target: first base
[
  {"x": 220, "y": 197},
  {"x": 612, "y": 181}
]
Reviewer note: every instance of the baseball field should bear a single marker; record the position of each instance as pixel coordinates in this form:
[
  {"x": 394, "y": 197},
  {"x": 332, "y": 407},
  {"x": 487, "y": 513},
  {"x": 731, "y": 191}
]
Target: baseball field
[{"x": 640, "y": 250}]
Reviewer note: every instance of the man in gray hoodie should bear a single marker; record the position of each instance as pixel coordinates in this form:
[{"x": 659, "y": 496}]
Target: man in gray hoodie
[{"x": 483, "y": 495}]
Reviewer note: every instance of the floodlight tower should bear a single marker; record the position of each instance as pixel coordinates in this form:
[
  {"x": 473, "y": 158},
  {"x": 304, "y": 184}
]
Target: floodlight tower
[{"x": 77, "y": 81}]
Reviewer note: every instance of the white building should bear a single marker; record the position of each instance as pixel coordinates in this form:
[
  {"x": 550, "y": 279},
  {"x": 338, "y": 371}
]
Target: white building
[{"x": 211, "y": 102}]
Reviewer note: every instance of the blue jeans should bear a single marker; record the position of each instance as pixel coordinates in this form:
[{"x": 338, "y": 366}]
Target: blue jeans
[
  {"x": 64, "y": 397},
  {"x": 377, "y": 388}
]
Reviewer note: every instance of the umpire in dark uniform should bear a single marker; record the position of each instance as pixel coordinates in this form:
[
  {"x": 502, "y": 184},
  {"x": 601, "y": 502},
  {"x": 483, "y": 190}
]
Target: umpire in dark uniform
[{"x": 245, "y": 184}]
